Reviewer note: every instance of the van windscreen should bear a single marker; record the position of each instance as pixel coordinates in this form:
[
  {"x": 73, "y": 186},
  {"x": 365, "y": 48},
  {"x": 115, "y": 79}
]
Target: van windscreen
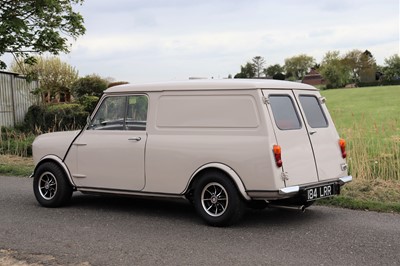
[{"x": 285, "y": 114}]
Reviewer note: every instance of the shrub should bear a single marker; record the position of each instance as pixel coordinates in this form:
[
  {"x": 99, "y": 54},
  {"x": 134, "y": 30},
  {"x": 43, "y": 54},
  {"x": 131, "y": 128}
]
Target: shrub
[
  {"x": 91, "y": 85},
  {"x": 88, "y": 102},
  {"x": 55, "y": 117}
]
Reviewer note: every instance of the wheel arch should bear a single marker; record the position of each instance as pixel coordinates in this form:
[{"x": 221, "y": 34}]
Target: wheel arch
[
  {"x": 58, "y": 161},
  {"x": 221, "y": 168}
]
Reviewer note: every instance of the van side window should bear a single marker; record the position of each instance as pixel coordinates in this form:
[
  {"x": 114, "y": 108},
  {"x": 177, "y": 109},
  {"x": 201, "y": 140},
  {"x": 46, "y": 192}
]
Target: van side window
[
  {"x": 136, "y": 113},
  {"x": 313, "y": 111},
  {"x": 121, "y": 113},
  {"x": 285, "y": 114}
]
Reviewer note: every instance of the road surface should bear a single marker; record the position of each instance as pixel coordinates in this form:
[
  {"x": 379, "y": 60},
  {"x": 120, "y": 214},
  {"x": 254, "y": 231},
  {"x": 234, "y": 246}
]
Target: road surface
[{"x": 96, "y": 230}]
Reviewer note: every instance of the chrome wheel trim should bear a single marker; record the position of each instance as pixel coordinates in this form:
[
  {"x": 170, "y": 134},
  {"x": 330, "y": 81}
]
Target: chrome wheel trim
[
  {"x": 47, "y": 185},
  {"x": 214, "y": 199}
]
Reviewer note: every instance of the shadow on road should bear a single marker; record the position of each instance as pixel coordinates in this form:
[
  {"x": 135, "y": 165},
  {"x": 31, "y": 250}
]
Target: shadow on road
[{"x": 172, "y": 209}]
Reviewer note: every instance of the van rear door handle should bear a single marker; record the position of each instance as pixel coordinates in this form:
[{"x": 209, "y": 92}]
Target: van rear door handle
[
  {"x": 135, "y": 138},
  {"x": 313, "y": 132}
]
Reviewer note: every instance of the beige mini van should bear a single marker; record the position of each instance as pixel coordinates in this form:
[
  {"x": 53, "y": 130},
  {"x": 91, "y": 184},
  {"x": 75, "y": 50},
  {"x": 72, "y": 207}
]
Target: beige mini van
[{"x": 221, "y": 144}]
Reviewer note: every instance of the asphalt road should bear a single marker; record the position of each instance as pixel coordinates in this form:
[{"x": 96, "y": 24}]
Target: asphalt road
[{"x": 96, "y": 230}]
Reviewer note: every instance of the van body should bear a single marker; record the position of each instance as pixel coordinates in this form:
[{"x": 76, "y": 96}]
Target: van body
[{"x": 221, "y": 144}]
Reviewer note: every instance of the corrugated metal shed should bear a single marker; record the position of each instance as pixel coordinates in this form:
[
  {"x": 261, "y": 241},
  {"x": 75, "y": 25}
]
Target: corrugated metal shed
[{"x": 15, "y": 98}]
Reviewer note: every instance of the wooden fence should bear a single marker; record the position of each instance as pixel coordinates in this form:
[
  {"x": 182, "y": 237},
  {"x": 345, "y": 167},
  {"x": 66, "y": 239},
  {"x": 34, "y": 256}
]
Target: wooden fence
[{"x": 15, "y": 98}]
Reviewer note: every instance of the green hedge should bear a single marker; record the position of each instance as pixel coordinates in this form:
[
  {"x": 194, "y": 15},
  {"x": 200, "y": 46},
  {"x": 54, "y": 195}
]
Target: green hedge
[
  {"x": 378, "y": 83},
  {"x": 55, "y": 117}
]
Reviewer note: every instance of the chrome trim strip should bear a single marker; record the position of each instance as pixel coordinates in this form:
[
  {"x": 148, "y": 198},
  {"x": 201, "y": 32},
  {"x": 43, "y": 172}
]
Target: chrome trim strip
[
  {"x": 129, "y": 192},
  {"x": 289, "y": 190},
  {"x": 346, "y": 179}
]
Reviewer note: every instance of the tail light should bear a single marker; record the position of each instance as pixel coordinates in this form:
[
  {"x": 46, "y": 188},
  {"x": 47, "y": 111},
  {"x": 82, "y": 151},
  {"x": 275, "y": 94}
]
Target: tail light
[
  {"x": 342, "y": 145},
  {"x": 278, "y": 155}
]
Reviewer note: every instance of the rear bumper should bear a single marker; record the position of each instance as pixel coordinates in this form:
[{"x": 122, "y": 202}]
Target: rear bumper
[{"x": 293, "y": 191}]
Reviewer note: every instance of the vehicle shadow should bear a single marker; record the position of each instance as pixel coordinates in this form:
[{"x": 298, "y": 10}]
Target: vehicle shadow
[{"x": 173, "y": 209}]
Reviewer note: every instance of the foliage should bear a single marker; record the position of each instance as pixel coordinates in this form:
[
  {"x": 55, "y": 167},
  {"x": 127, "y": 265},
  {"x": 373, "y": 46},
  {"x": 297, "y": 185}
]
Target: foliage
[
  {"x": 258, "y": 63},
  {"x": 334, "y": 70},
  {"x": 391, "y": 70},
  {"x": 299, "y": 65},
  {"x": 55, "y": 76},
  {"x": 90, "y": 85},
  {"x": 273, "y": 70},
  {"x": 246, "y": 72},
  {"x": 116, "y": 83},
  {"x": 361, "y": 65},
  {"x": 38, "y": 26},
  {"x": 88, "y": 102},
  {"x": 55, "y": 117}
]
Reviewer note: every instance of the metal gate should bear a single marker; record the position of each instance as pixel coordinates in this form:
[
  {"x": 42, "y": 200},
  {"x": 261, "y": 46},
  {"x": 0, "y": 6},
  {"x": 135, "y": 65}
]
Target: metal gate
[{"x": 15, "y": 98}]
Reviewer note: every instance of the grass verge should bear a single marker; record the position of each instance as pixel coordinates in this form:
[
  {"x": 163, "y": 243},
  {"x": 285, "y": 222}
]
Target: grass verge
[
  {"x": 371, "y": 195},
  {"x": 12, "y": 165}
]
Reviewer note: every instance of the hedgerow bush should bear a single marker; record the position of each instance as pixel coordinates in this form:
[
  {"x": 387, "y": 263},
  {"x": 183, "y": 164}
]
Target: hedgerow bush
[{"x": 55, "y": 117}]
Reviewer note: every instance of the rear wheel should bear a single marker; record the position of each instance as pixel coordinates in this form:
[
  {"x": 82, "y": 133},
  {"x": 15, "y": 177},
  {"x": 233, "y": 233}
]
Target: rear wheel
[
  {"x": 50, "y": 185},
  {"x": 216, "y": 199}
]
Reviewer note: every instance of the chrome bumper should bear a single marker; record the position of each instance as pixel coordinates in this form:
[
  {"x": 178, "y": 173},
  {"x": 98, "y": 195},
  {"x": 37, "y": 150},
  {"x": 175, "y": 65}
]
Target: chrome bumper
[
  {"x": 291, "y": 191},
  {"x": 296, "y": 189}
]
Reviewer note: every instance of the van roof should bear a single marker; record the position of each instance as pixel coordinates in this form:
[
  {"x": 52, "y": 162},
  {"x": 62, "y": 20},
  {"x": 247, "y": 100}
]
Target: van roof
[{"x": 225, "y": 84}]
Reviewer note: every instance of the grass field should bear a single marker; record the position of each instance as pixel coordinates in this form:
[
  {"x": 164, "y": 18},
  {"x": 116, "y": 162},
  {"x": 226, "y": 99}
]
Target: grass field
[{"x": 368, "y": 118}]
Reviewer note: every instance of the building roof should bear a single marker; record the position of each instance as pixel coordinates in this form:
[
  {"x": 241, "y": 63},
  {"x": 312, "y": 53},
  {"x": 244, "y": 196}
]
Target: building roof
[{"x": 225, "y": 84}]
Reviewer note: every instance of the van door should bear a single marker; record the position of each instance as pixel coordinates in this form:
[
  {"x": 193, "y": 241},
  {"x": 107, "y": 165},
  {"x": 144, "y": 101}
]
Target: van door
[
  {"x": 109, "y": 153},
  {"x": 323, "y": 135},
  {"x": 292, "y": 135}
]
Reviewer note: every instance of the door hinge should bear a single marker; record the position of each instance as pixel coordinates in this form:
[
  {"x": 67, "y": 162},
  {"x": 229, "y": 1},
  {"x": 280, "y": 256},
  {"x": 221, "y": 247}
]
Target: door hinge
[
  {"x": 265, "y": 100},
  {"x": 285, "y": 176}
]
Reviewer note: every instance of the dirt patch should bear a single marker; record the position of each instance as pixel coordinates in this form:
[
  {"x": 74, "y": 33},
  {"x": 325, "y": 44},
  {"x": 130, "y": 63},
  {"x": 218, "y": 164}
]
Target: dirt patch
[
  {"x": 16, "y": 160},
  {"x": 15, "y": 258}
]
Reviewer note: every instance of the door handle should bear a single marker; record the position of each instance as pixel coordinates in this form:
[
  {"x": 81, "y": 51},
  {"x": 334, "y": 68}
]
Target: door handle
[
  {"x": 79, "y": 144},
  {"x": 313, "y": 132},
  {"x": 135, "y": 138}
]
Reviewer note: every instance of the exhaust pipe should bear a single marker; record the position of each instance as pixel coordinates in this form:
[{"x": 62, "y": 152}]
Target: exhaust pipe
[{"x": 301, "y": 208}]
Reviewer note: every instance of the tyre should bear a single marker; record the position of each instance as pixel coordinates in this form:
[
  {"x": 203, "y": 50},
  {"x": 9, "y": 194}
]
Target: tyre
[
  {"x": 217, "y": 200},
  {"x": 50, "y": 186}
]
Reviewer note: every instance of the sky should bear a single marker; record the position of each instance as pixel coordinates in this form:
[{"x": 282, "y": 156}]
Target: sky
[{"x": 162, "y": 40}]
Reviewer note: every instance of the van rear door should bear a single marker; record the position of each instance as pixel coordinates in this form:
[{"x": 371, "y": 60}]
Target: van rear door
[
  {"x": 293, "y": 137},
  {"x": 323, "y": 135}
]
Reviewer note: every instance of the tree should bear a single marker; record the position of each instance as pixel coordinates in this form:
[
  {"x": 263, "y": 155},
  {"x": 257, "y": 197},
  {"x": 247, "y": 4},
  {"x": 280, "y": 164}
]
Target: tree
[
  {"x": 273, "y": 70},
  {"x": 56, "y": 77},
  {"x": 334, "y": 70},
  {"x": 391, "y": 70},
  {"x": 38, "y": 26},
  {"x": 246, "y": 72},
  {"x": 258, "y": 65},
  {"x": 361, "y": 65},
  {"x": 90, "y": 85},
  {"x": 299, "y": 65}
]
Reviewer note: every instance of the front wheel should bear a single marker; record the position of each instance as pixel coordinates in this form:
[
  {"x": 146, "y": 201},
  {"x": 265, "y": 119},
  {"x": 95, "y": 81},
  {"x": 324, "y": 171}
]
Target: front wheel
[
  {"x": 216, "y": 199},
  {"x": 50, "y": 185}
]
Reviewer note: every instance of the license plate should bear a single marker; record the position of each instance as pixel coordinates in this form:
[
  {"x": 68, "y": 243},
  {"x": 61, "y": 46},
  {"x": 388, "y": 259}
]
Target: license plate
[{"x": 321, "y": 192}]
